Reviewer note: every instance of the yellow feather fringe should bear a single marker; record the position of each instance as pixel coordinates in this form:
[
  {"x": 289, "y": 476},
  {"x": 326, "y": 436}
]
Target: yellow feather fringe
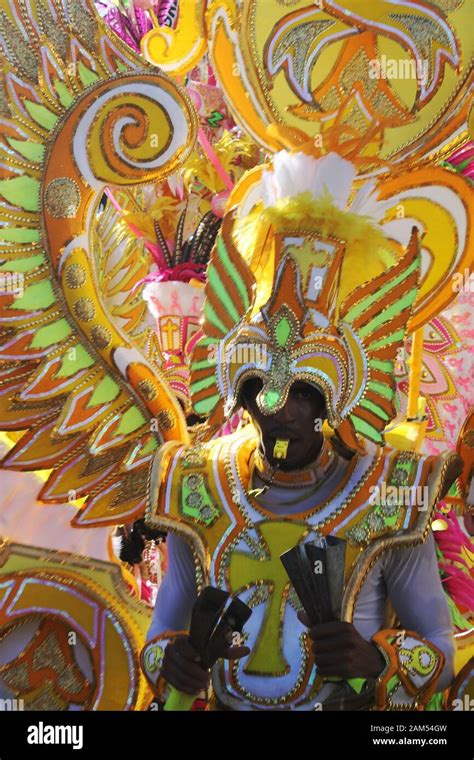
[{"x": 368, "y": 251}]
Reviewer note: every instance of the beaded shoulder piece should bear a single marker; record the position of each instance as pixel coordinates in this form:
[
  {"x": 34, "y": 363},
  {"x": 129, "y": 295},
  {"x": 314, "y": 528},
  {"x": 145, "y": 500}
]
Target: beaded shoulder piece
[{"x": 202, "y": 493}]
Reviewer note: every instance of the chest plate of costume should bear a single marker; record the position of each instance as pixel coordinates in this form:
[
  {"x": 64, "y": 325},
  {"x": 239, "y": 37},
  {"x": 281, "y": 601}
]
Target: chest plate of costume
[{"x": 204, "y": 495}]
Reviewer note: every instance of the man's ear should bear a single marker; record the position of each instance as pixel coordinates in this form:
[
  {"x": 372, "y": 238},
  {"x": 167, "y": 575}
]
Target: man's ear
[
  {"x": 242, "y": 398},
  {"x": 323, "y": 414}
]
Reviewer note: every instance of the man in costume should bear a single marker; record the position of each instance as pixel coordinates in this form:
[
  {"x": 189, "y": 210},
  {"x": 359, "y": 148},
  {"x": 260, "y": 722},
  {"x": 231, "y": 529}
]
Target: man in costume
[
  {"x": 88, "y": 399},
  {"x": 291, "y": 336}
]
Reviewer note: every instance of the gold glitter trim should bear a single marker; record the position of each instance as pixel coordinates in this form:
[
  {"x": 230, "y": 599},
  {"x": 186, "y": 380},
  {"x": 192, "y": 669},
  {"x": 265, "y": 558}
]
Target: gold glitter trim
[
  {"x": 16, "y": 677},
  {"x": 63, "y": 198},
  {"x": 132, "y": 487},
  {"x": 101, "y": 337},
  {"x": 148, "y": 391},
  {"x": 84, "y": 309},
  {"x": 18, "y": 49},
  {"x": 83, "y": 22},
  {"x": 166, "y": 419},
  {"x": 47, "y": 652},
  {"x": 75, "y": 276}
]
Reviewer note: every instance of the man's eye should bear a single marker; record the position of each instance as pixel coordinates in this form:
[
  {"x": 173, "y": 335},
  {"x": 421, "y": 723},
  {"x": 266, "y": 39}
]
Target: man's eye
[{"x": 301, "y": 393}]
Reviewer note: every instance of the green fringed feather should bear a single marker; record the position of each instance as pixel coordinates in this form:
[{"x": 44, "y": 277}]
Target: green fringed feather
[
  {"x": 50, "y": 335},
  {"x": 21, "y": 191},
  {"x": 33, "y": 151},
  {"x": 19, "y": 235},
  {"x": 87, "y": 76},
  {"x": 38, "y": 294},
  {"x": 42, "y": 115},
  {"x": 75, "y": 360},
  {"x": 104, "y": 392},
  {"x": 130, "y": 421}
]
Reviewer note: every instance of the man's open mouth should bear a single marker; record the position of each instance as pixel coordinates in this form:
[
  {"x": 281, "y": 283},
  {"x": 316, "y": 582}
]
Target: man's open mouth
[{"x": 284, "y": 436}]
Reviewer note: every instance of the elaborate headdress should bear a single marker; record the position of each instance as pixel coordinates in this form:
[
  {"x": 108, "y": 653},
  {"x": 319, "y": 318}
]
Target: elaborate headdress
[{"x": 279, "y": 315}]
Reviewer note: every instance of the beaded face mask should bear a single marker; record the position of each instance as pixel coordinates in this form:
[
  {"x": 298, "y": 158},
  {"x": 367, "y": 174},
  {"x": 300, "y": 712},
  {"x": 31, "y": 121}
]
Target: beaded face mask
[{"x": 302, "y": 331}]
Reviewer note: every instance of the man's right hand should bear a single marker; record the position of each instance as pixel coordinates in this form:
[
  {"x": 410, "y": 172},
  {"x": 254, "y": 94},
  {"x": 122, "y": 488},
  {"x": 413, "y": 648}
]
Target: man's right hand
[{"x": 181, "y": 667}]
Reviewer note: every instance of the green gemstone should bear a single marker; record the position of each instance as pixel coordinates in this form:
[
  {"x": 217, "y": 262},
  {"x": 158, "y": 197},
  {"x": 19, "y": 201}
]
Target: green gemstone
[
  {"x": 283, "y": 330},
  {"x": 271, "y": 398}
]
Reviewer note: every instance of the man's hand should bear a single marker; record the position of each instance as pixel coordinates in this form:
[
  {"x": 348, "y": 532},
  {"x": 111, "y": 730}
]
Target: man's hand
[
  {"x": 341, "y": 652},
  {"x": 181, "y": 667}
]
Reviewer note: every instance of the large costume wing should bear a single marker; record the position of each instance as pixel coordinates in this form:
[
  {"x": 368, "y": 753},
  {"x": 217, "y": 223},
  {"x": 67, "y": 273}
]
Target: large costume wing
[
  {"x": 373, "y": 321},
  {"x": 79, "y": 111},
  {"x": 56, "y": 604}
]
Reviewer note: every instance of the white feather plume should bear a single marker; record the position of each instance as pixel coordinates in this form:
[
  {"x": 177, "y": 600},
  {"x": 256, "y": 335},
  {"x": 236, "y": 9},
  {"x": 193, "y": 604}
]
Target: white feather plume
[{"x": 295, "y": 173}]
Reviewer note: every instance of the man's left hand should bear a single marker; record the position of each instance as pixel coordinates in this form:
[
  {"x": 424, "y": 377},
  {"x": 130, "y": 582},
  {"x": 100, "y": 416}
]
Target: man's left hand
[{"x": 341, "y": 652}]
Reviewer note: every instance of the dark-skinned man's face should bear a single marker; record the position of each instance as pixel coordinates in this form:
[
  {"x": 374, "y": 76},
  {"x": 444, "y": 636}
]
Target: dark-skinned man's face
[{"x": 298, "y": 422}]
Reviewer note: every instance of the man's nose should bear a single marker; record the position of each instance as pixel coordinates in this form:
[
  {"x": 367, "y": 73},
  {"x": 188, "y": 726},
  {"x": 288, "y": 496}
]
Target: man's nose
[{"x": 285, "y": 414}]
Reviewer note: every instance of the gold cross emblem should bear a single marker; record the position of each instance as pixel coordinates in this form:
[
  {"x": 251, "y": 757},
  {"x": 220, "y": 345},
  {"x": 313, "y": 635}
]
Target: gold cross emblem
[{"x": 246, "y": 571}]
